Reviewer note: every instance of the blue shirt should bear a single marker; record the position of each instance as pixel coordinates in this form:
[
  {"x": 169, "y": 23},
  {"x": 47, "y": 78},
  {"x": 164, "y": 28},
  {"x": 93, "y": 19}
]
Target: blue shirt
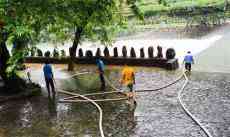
[
  {"x": 100, "y": 65},
  {"x": 47, "y": 69},
  {"x": 188, "y": 59}
]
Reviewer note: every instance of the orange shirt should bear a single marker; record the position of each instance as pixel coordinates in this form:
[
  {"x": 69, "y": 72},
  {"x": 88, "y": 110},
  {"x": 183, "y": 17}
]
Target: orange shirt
[{"x": 127, "y": 75}]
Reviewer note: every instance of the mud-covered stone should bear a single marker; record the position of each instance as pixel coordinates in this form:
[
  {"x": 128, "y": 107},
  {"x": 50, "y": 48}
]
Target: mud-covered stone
[
  {"x": 151, "y": 52},
  {"x": 80, "y": 53},
  {"x": 170, "y": 53},
  {"x": 39, "y": 53},
  {"x": 47, "y": 54},
  {"x": 106, "y": 52},
  {"x": 142, "y": 53},
  {"x": 124, "y": 51},
  {"x": 115, "y": 52},
  {"x": 132, "y": 53},
  {"x": 159, "y": 52},
  {"x": 89, "y": 54},
  {"x": 98, "y": 52}
]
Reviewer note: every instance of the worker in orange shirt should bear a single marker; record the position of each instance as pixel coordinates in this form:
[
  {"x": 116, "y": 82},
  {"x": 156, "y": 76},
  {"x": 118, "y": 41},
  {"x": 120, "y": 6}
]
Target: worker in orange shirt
[{"x": 128, "y": 80}]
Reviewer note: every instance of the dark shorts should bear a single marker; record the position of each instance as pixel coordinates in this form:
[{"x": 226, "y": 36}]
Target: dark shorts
[
  {"x": 188, "y": 66},
  {"x": 128, "y": 88}
]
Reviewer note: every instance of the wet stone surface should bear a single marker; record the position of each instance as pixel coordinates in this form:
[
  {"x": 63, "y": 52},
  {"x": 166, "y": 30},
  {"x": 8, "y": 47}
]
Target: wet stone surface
[
  {"x": 158, "y": 113},
  {"x": 207, "y": 97}
]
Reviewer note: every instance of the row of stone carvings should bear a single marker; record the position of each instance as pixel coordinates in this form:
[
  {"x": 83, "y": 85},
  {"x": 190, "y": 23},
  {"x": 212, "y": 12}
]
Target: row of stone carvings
[{"x": 170, "y": 53}]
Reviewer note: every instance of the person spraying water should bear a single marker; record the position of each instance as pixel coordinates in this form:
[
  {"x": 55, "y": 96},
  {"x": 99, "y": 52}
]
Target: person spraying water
[{"x": 101, "y": 68}]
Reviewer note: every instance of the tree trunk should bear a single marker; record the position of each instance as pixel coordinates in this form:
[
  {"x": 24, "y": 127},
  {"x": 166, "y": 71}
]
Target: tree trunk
[
  {"x": 11, "y": 83},
  {"x": 73, "y": 49},
  {"x": 225, "y": 5},
  {"x": 4, "y": 57}
]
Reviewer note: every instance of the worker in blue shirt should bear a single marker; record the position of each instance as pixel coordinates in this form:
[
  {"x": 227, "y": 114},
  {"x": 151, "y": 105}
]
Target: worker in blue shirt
[
  {"x": 188, "y": 60},
  {"x": 49, "y": 78},
  {"x": 101, "y": 67}
]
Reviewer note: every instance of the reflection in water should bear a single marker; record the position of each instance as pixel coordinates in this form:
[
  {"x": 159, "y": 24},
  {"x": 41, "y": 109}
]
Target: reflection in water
[
  {"x": 40, "y": 116},
  {"x": 25, "y": 112},
  {"x": 52, "y": 108},
  {"x": 157, "y": 114}
]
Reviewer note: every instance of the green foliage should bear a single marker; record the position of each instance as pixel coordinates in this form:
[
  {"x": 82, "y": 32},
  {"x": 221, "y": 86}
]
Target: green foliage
[
  {"x": 154, "y": 7},
  {"x": 29, "y": 21},
  {"x": 15, "y": 63},
  {"x": 57, "y": 20},
  {"x": 96, "y": 20},
  {"x": 20, "y": 33},
  {"x": 163, "y": 2}
]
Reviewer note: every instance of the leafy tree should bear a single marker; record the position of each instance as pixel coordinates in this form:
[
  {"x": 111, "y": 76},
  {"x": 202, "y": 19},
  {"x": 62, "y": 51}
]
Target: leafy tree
[
  {"x": 163, "y": 2},
  {"x": 96, "y": 20},
  {"x": 28, "y": 21},
  {"x": 18, "y": 26}
]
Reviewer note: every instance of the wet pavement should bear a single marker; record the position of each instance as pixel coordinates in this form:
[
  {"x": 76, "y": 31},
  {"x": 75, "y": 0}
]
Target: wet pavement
[
  {"x": 207, "y": 97},
  {"x": 158, "y": 113}
]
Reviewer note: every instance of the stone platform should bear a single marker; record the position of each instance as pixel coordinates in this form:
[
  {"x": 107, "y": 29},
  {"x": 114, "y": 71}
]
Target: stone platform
[{"x": 171, "y": 64}]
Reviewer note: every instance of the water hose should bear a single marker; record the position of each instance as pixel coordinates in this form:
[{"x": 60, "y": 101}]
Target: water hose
[
  {"x": 91, "y": 101},
  {"x": 146, "y": 90},
  {"x": 77, "y": 74},
  {"x": 186, "y": 110},
  {"x": 97, "y": 100},
  {"x": 93, "y": 94},
  {"x": 119, "y": 91}
]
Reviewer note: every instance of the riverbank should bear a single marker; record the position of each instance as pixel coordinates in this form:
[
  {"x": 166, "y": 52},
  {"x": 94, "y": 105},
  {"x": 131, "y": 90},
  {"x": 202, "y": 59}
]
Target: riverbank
[{"x": 30, "y": 90}]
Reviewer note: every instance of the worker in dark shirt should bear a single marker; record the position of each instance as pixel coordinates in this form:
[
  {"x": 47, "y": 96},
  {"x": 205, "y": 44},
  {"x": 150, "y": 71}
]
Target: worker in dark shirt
[
  {"x": 101, "y": 67},
  {"x": 49, "y": 78}
]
